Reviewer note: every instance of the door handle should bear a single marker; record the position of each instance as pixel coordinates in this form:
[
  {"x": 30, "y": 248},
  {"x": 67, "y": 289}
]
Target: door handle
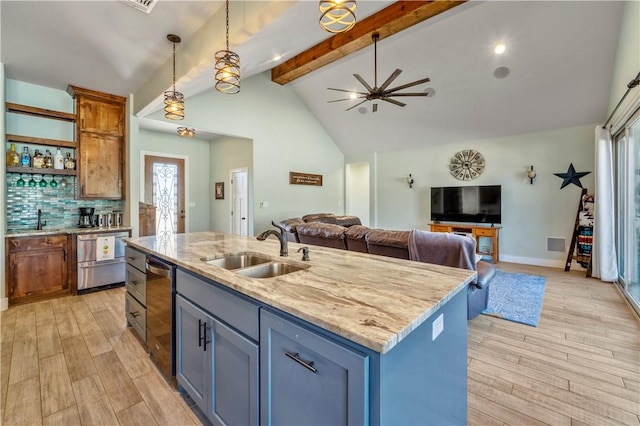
[{"x": 306, "y": 364}]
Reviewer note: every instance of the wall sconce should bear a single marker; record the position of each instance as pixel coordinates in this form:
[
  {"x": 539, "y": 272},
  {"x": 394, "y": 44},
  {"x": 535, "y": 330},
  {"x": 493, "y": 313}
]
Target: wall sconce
[
  {"x": 410, "y": 180},
  {"x": 531, "y": 174}
]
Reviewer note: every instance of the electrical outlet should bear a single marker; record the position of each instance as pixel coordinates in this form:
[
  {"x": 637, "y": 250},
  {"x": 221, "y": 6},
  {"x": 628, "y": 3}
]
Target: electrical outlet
[{"x": 437, "y": 327}]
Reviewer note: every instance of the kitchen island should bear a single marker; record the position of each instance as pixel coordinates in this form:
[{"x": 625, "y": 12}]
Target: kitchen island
[{"x": 377, "y": 340}]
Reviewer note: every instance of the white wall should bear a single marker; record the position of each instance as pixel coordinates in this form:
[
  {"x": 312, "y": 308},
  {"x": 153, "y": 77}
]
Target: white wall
[
  {"x": 229, "y": 153},
  {"x": 358, "y": 190},
  {"x": 627, "y": 63},
  {"x": 286, "y": 137},
  {"x": 530, "y": 213}
]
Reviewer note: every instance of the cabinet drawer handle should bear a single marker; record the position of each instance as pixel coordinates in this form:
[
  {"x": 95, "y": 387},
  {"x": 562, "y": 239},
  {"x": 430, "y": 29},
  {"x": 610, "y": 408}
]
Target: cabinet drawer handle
[
  {"x": 306, "y": 364},
  {"x": 134, "y": 314},
  {"x": 199, "y": 333},
  {"x": 134, "y": 282},
  {"x": 204, "y": 335}
]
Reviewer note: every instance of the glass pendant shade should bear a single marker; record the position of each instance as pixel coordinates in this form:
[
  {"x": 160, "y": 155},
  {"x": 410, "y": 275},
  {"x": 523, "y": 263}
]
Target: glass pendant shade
[
  {"x": 173, "y": 100},
  {"x": 337, "y": 16},
  {"x": 186, "y": 132},
  {"x": 227, "y": 66}
]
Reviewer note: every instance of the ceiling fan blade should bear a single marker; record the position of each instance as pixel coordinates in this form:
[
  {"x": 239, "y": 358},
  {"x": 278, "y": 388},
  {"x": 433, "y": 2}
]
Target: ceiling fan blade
[
  {"x": 339, "y": 100},
  {"x": 404, "y": 86},
  {"x": 359, "y": 103},
  {"x": 393, "y": 101},
  {"x": 375, "y": 107},
  {"x": 389, "y": 80},
  {"x": 364, "y": 83},
  {"x": 347, "y": 91},
  {"x": 408, "y": 94}
]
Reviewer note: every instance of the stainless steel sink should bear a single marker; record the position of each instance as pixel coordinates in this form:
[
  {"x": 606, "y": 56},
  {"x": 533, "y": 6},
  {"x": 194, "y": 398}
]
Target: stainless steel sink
[
  {"x": 269, "y": 270},
  {"x": 237, "y": 261}
]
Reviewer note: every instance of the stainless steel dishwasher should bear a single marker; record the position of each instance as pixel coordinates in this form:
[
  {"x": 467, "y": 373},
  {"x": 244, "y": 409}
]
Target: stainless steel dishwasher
[
  {"x": 94, "y": 273},
  {"x": 160, "y": 320}
]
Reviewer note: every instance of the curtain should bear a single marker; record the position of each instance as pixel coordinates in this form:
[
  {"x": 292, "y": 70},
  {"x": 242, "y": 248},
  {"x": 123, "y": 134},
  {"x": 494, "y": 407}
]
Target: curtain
[{"x": 604, "y": 262}]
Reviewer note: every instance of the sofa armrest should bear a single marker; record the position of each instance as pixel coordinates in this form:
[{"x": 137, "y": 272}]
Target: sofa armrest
[{"x": 486, "y": 272}]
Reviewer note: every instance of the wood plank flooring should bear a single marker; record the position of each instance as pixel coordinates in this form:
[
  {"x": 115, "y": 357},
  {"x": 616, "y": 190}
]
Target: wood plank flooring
[
  {"x": 579, "y": 366},
  {"x": 72, "y": 361}
]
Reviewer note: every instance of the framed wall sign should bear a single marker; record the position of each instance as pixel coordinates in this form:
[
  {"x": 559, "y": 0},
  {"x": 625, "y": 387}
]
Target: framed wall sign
[
  {"x": 219, "y": 191},
  {"x": 298, "y": 178}
]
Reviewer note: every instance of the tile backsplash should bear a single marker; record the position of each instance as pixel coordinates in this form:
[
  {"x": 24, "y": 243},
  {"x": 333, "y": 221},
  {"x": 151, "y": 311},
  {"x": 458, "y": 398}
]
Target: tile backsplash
[{"x": 58, "y": 205}]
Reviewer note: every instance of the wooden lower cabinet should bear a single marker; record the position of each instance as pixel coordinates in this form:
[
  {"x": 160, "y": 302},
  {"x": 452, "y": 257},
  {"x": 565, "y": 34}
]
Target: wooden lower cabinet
[
  {"x": 217, "y": 366},
  {"x": 476, "y": 232},
  {"x": 37, "y": 267}
]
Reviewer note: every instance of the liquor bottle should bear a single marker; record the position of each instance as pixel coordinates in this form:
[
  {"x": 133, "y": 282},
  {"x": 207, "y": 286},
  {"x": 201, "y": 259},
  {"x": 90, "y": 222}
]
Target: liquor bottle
[
  {"x": 38, "y": 160},
  {"x": 69, "y": 163},
  {"x": 48, "y": 161},
  {"x": 58, "y": 161},
  {"x": 25, "y": 158},
  {"x": 13, "y": 158}
]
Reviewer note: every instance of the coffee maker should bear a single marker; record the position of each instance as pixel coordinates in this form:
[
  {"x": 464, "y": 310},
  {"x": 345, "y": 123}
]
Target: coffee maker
[{"x": 86, "y": 217}]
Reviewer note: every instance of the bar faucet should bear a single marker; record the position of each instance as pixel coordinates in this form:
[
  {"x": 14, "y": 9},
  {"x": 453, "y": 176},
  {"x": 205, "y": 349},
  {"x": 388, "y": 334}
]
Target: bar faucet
[
  {"x": 281, "y": 236},
  {"x": 40, "y": 223}
]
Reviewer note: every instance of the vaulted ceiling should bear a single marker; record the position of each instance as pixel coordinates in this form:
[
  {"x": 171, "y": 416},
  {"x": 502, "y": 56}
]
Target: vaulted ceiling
[{"x": 556, "y": 70}]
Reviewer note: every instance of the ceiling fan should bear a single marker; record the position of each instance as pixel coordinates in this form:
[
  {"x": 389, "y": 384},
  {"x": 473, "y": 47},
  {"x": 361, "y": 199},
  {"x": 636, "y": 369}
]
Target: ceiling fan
[{"x": 380, "y": 93}]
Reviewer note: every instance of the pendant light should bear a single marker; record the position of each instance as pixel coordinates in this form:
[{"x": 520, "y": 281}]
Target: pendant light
[
  {"x": 186, "y": 132},
  {"x": 227, "y": 67},
  {"x": 173, "y": 101},
  {"x": 337, "y": 16}
]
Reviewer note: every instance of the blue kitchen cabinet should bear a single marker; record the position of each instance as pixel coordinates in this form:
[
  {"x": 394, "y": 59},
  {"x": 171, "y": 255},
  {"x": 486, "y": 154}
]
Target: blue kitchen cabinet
[
  {"x": 216, "y": 365},
  {"x": 307, "y": 379}
]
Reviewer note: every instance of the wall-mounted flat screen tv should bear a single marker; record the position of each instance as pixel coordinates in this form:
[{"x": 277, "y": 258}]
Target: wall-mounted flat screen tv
[{"x": 478, "y": 204}]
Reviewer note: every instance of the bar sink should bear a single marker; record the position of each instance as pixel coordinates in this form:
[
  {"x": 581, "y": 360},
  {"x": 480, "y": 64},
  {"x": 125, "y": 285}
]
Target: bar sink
[
  {"x": 237, "y": 261},
  {"x": 269, "y": 270}
]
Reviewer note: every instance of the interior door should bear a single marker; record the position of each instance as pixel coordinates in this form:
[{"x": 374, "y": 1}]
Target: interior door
[
  {"x": 164, "y": 188},
  {"x": 239, "y": 202}
]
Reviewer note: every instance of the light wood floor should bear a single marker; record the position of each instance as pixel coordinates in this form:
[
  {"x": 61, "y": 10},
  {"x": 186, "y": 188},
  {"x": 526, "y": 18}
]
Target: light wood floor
[
  {"x": 579, "y": 366},
  {"x": 72, "y": 361}
]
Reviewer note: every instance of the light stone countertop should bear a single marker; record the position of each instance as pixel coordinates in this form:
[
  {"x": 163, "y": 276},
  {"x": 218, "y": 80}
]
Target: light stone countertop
[
  {"x": 62, "y": 231},
  {"x": 372, "y": 300}
]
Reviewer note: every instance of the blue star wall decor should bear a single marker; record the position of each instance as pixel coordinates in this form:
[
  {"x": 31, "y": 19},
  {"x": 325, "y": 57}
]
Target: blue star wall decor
[{"x": 571, "y": 177}]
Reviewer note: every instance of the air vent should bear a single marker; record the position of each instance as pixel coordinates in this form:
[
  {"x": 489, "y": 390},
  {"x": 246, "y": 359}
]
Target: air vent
[
  {"x": 144, "y": 5},
  {"x": 556, "y": 244}
]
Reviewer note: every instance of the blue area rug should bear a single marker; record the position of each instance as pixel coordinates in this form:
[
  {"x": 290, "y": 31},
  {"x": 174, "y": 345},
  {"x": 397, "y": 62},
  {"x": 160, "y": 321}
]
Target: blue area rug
[{"x": 516, "y": 297}]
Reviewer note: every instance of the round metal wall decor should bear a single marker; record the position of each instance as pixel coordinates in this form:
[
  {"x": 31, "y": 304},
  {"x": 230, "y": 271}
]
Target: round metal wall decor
[{"x": 467, "y": 164}]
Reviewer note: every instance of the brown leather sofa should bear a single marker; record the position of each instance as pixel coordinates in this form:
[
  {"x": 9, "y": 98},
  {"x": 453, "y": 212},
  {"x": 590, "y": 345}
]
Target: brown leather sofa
[{"x": 324, "y": 230}]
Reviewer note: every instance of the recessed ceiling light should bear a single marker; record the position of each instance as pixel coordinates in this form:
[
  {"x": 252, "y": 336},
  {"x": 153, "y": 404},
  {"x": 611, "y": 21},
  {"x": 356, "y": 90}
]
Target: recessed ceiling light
[
  {"x": 499, "y": 49},
  {"x": 353, "y": 95}
]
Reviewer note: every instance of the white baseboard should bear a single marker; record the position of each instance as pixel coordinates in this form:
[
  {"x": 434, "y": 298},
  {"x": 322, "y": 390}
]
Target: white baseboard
[
  {"x": 549, "y": 263},
  {"x": 4, "y": 304}
]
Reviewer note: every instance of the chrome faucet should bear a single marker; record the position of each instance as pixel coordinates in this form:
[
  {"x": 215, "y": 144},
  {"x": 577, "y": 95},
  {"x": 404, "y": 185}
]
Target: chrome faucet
[
  {"x": 40, "y": 223},
  {"x": 281, "y": 236}
]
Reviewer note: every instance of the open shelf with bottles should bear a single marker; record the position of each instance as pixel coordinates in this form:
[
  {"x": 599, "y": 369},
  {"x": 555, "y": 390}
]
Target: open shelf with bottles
[
  {"x": 38, "y": 171},
  {"x": 40, "y": 141}
]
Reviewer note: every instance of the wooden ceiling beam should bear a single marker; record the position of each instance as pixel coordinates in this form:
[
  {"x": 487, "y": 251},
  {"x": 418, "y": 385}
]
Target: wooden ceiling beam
[{"x": 390, "y": 20}]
